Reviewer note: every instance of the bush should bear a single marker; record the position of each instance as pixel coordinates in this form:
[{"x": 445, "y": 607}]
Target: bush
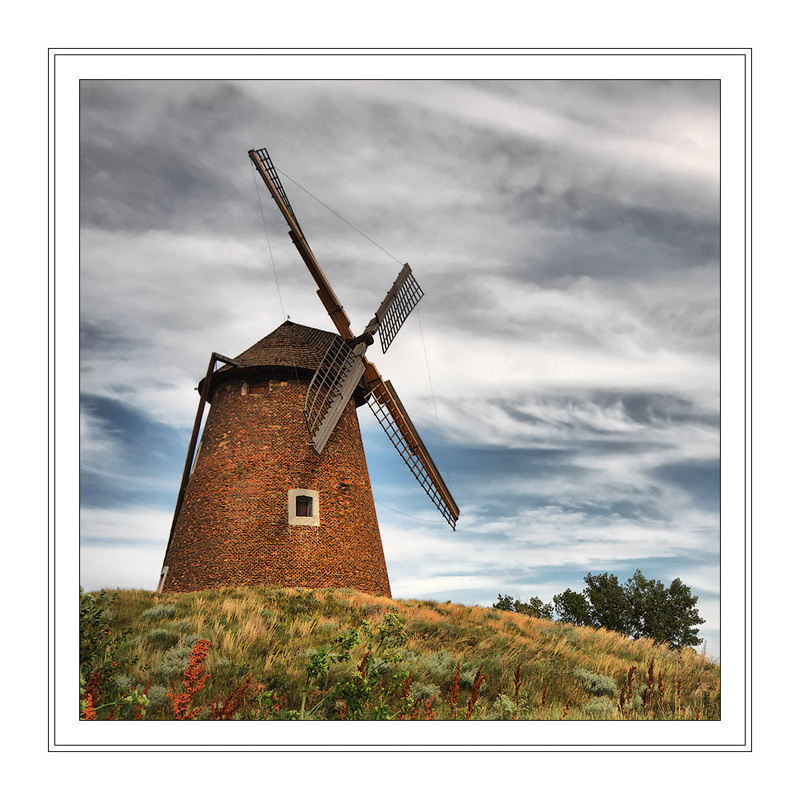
[
  {"x": 175, "y": 661},
  {"x": 157, "y": 695},
  {"x": 600, "y": 707},
  {"x": 440, "y": 665},
  {"x": 422, "y": 691},
  {"x": 503, "y": 708},
  {"x": 533, "y": 608},
  {"x": 159, "y": 612},
  {"x": 596, "y": 684}
]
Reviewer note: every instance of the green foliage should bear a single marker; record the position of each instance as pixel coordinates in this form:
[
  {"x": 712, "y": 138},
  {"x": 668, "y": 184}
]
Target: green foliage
[
  {"x": 363, "y": 691},
  {"x": 98, "y": 643},
  {"x": 503, "y": 707},
  {"x": 573, "y": 608},
  {"x": 600, "y": 708},
  {"x": 422, "y": 691},
  {"x": 596, "y": 684},
  {"x": 175, "y": 660},
  {"x": 533, "y": 608},
  {"x": 105, "y": 685},
  {"x": 608, "y": 602},
  {"x": 157, "y": 695},
  {"x": 640, "y": 608},
  {"x": 304, "y": 604},
  {"x": 162, "y": 611}
]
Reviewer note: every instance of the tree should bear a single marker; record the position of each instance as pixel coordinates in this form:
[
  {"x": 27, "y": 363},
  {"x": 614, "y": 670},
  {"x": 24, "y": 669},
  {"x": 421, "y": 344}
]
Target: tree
[
  {"x": 681, "y": 623},
  {"x": 573, "y": 607},
  {"x": 609, "y": 605},
  {"x": 640, "y": 608},
  {"x": 533, "y": 608},
  {"x": 665, "y": 615}
]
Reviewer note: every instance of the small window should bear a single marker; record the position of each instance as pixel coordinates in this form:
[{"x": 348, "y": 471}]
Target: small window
[{"x": 303, "y": 507}]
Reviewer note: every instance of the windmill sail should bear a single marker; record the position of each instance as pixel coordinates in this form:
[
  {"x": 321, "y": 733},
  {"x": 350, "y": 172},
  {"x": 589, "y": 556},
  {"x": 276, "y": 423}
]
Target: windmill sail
[
  {"x": 389, "y": 411},
  {"x": 344, "y": 365},
  {"x": 395, "y": 308},
  {"x": 330, "y": 389},
  {"x": 262, "y": 160},
  {"x": 269, "y": 175}
]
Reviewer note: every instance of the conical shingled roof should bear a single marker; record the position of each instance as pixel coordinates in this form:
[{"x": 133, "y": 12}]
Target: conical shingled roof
[{"x": 290, "y": 345}]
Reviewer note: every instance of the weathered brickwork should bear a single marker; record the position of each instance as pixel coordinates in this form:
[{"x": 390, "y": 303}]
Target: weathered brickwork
[{"x": 233, "y": 527}]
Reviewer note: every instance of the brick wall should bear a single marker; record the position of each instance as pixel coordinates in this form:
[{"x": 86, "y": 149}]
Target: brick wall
[{"x": 233, "y": 527}]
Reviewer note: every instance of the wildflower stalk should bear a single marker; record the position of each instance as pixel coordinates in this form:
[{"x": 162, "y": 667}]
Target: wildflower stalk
[
  {"x": 193, "y": 679},
  {"x": 517, "y": 684},
  {"x": 232, "y": 703},
  {"x": 476, "y": 689},
  {"x": 630, "y": 689},
  {"x": 404, "y": 697},
  {"x": 455, "y": 691}
]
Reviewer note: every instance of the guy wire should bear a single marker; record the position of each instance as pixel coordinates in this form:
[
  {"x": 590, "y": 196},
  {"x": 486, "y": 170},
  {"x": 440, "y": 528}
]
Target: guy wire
[
  {"x": 339, "y": 216},
  {"x": 433, "y": 395},
  {"x": 269, "y": 245}
]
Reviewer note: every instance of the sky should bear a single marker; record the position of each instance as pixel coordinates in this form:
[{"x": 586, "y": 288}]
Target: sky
[{"x": 563, "y": 367}]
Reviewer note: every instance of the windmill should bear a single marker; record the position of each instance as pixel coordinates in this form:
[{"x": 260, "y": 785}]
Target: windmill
[{"x": 278, "y": 490}]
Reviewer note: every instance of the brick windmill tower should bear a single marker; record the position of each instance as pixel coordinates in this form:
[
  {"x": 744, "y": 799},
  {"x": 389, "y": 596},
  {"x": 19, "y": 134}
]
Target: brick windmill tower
[{"x": 278, "y": 491}]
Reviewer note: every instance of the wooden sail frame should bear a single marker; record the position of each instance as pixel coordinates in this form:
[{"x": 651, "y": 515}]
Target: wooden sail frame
[{"x": 332, "y": 385}]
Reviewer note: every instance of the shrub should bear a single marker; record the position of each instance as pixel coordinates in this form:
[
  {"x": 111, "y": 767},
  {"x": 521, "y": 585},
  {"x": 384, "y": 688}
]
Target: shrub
[
  {"x": 467, "y": 676},
  {"x": 157, "y": 695},
  {"x": 533, "y": 608},
  {"x": 596, "y": 684},
  {"x": 175, "y": 661},
  {"x": 162, "y": 611},
  {"x": 422, "y": 691},
  {"x": 600, "y": 707},
  {"x": 440, "y": 665},
  {"x": 503, "y": 708}
]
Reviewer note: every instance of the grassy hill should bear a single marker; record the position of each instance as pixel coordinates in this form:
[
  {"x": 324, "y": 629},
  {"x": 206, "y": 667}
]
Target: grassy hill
[{"x": 277, "y": 653}]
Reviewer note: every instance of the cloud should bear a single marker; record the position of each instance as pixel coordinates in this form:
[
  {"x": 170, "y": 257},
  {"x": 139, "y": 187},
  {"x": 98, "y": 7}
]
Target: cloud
[
  {"x": 122, "y": 547},
  {"x": 563, "y": 366}
]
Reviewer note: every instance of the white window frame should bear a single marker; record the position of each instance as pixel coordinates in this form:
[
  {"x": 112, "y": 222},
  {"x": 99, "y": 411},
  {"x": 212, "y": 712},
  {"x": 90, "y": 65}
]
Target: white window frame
[{"x": 313, "y": 520}]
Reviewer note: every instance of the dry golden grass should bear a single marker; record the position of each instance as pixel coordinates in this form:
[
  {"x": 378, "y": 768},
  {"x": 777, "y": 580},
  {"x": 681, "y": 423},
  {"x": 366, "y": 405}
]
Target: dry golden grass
[{"x": 268, "y": 634}]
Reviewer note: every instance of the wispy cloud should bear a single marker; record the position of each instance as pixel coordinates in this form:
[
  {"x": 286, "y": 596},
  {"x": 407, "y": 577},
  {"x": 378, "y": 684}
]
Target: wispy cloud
[{"x": 563, "y": 366}]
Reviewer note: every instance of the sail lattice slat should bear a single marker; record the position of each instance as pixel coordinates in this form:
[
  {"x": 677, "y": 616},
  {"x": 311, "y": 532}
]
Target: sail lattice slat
[
  {"x": 406, "y": 297},
  {"x": 330, "y": 389},
  {"x": 390, "y": 414},
  {"x": 269, "y": 168}
]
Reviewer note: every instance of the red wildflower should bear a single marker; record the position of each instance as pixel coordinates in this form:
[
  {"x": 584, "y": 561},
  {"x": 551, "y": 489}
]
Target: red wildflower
[
  {"x": 90, "y": 694},
  {"x": 476, "y": 689},
  {"x": 232, "y": 703},
  {"x": 193, "y": 679}
]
